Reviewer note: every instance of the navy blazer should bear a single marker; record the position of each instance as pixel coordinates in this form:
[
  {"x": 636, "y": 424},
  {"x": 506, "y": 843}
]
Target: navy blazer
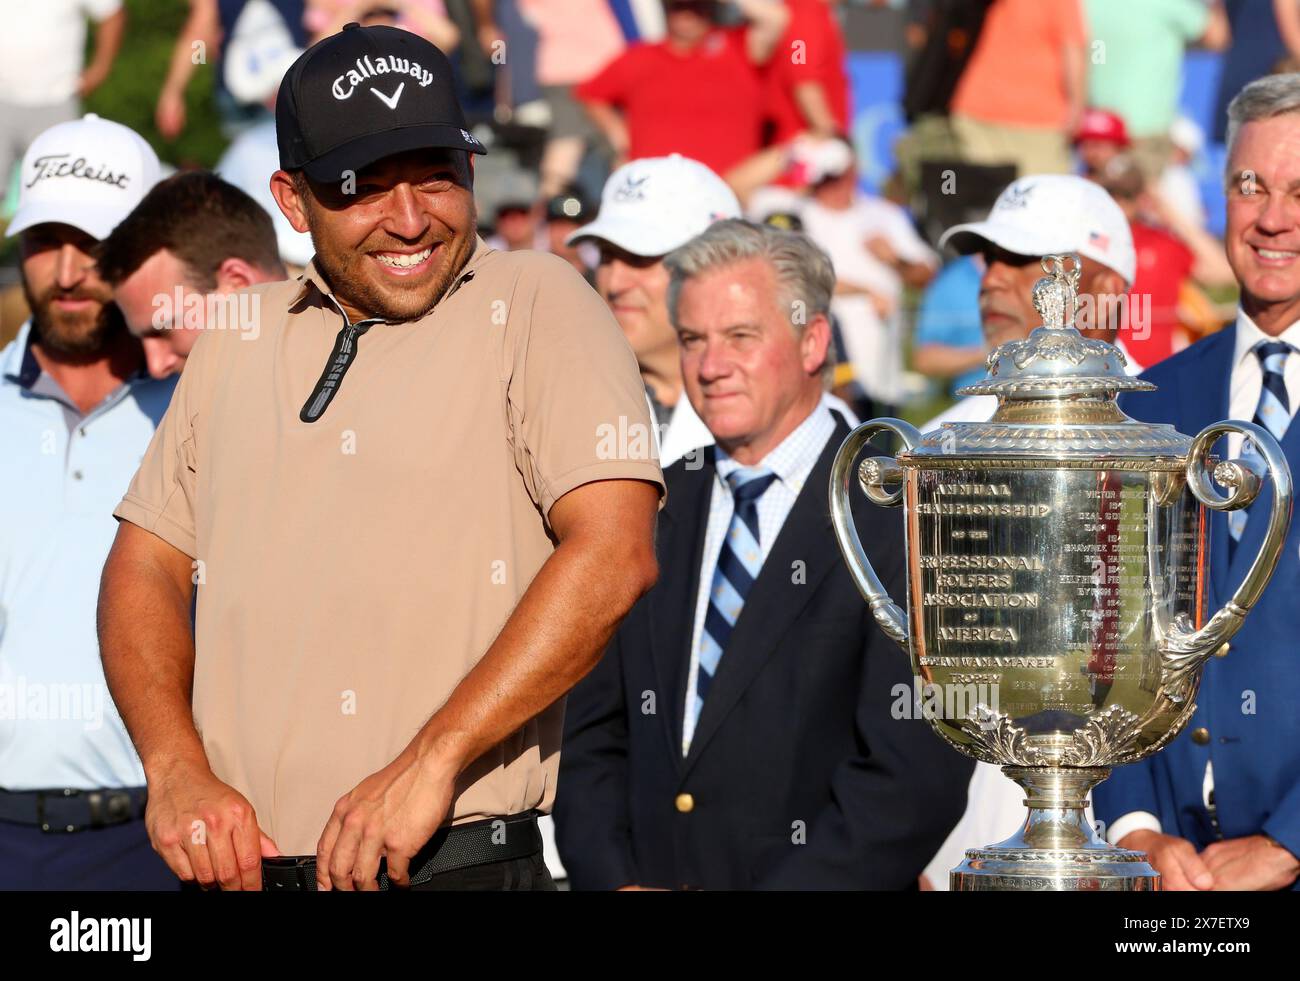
[
  {"x": 799, "y": 774},
  {"x": 1249, "y": 700}
]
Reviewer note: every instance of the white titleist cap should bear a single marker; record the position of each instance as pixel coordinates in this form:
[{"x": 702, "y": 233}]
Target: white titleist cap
[
  {"x": 651, "y": 206},
  {"x": 88, "y": 173},
  {"x": 1049, "y": 214}
]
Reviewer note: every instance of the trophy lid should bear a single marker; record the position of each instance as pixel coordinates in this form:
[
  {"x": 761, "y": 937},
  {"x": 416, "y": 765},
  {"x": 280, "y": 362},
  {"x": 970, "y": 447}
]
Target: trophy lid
[
  {"x": 1056, "y": 361},
  {"x": 1057, "y": 393}
]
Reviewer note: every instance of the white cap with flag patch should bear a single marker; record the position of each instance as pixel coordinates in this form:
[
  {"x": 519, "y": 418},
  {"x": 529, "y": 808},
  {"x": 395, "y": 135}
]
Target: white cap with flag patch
[
  {"x": 1050, "y": 214},
  {"x": 653, "y": 205},
  {"x": 88, "y": 172}
]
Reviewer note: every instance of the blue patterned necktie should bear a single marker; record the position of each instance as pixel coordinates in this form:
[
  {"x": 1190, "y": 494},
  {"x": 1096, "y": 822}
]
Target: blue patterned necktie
[
  {"x": 739, "y": 562},
  {"x": 1273, "y": 412}
]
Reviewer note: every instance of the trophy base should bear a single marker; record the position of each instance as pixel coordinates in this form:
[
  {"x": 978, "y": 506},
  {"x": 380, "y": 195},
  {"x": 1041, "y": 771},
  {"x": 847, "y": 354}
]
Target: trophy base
[{"x": 1056, "y": 850}]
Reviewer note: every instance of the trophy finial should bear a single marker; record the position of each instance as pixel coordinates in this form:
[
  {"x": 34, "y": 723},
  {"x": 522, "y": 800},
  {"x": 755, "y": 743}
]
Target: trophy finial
[{"x": 1056, "y": 296}]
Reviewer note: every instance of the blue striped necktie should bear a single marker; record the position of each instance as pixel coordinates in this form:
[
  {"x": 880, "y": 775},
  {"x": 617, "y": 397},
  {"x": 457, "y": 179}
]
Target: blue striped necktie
[
  {"x": 1273, "y": 412},
  {"x": 739, "y": 562}
]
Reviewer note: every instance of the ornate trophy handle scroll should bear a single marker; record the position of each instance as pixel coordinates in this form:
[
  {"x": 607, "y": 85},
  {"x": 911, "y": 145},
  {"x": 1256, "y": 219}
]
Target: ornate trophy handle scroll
[
  {"x": 1186, "y": 649},
  {"x": 874, "y": 475}
]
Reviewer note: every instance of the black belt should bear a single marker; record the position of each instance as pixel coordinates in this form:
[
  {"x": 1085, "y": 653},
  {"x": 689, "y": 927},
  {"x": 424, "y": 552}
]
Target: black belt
[
  {"x": 65, "y": 809},
  {"x": 457, "y": 847}
]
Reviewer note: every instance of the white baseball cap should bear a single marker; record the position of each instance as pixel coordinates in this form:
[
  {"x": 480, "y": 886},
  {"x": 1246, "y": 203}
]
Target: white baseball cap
[
  {"x": 258, "y": 53},
  {"x": 817, "y": 159},
  {"x": 651, "y": 206},
  {"x": 88, "y": 172},
  {"x": 1047, "y": 214},
  {"x": 1186, "y": 135}
]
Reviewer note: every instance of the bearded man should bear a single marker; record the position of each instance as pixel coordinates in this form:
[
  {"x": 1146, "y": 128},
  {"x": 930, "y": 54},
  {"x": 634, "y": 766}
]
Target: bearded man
[
  {"x": 77, "y": 410},
  {"x": 414, "y": 529}
]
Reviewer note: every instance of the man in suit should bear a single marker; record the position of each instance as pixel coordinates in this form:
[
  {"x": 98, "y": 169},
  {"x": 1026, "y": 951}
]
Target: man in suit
[
  {"x": 738, "y": 732},
  {"x": 1219, "y": 807}
]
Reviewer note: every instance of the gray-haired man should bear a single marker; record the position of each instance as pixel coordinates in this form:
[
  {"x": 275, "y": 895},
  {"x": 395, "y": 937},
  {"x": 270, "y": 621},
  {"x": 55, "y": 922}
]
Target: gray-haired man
[
  {"x": 738, "y": 732},
  {"x": 1219, "y": 807}
]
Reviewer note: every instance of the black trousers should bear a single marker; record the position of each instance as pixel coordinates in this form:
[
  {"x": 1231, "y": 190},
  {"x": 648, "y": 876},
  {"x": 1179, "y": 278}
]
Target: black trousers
[
  {"x": 117, "y": 857},
  {"x": 513, "y": 875}
]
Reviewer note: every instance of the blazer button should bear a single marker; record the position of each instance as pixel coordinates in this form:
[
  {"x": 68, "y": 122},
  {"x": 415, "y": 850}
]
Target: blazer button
[
  {"x": 1201, "y": 736},
  {"x": 685, "y": 803},
  {"x": 1223, "y": 649}
]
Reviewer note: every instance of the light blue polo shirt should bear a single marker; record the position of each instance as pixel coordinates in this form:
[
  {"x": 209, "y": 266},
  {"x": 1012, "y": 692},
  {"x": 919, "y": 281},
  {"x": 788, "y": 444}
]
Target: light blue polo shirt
[{"x": 63, "y": 474}]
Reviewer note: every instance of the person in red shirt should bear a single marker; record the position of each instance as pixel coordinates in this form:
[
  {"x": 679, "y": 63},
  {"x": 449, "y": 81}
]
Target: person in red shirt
[
  {"x": 806, "y": 86},
  {"x": 1152, "y": 330},
  {"x": 698, "y": 92}
]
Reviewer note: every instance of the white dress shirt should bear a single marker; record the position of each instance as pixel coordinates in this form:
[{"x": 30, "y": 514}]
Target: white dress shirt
[
  {"x": 792, "y": 461},
  {"x": 1243, "y": 397},
  {"x": 686, "y": 430}
]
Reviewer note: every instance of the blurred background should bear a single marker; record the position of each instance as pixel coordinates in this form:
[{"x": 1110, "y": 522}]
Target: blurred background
[{"x": 881, "y": 125}]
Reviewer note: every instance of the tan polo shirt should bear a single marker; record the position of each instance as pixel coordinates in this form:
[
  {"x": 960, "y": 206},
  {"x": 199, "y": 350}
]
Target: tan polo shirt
[{"x": 352, "y": 570}]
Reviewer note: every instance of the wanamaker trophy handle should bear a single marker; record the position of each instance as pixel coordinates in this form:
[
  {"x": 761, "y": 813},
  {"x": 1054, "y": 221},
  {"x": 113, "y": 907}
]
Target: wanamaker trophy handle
[
  {"x": 1243, "y": 478},
  {"x": 875, "y": 475}
]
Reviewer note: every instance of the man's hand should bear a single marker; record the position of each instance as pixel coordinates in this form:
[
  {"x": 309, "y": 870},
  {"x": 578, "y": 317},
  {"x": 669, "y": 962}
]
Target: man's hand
[
  {"x": 1180, "y": 867},
  {"x": 169, "y": 116},
  {"x": 1254, "y": 862},
  {"x": 206, "y": 830},
  {"x": 92, "y": 78},
  {"x": 392, "y": 813},
  {"x": 879, "y": 246}
]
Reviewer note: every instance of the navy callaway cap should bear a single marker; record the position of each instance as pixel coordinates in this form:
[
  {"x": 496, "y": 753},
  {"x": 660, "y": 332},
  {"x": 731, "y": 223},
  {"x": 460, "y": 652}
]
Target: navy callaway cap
[{"x": 363, "y": 94}]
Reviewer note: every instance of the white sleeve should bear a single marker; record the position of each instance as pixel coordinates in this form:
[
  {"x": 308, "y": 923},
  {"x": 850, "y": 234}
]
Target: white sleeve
[
  {"x": 902, "y": 237},
  {"x": 100, "y": 10},
  {"x": 1132, "y": 821}
]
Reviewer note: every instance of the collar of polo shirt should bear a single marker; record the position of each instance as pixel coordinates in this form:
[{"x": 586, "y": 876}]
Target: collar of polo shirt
[{"x": 313, "y": 280}]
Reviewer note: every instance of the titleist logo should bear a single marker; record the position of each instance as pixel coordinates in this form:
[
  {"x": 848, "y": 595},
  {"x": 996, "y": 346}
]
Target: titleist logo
[
  {"x": 347, "y": 83},
  {"x": 59, "y": 165}
]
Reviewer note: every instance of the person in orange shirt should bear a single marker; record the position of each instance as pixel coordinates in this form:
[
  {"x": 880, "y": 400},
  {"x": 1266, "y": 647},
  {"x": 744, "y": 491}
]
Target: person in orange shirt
[{"x": 1023, "y": 92}]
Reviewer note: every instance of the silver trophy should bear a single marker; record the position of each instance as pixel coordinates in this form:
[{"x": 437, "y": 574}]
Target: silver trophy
[{"x": 1057, "y": 568}]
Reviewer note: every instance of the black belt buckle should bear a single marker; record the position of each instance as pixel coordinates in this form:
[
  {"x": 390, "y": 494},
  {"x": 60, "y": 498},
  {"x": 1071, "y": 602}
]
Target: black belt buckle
[
  {"x": 108, "y": 808},
  {"x": 43, "y": 818},
  {"x": 289, "y": 873}
]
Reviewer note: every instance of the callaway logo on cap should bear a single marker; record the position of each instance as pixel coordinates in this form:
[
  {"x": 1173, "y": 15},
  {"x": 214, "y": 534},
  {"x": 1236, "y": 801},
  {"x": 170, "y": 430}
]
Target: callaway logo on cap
[{"x": 364, "y": 94}]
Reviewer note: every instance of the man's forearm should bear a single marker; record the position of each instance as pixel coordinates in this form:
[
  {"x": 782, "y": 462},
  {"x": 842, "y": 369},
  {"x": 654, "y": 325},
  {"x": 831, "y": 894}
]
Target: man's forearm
[
  {"x": 147, "y": 647},
  {"x": 815, "y": 108},
  {"x": 108, "y": 41},
  {"x": 201, "y": 25},
  {"x": 946, "y": 360},
  {"x": 767, "y": 22},
  {"x": 610, "y": 122},
  {"x": 554, "y": 637},
  {"x": 1076, "y": 83}
]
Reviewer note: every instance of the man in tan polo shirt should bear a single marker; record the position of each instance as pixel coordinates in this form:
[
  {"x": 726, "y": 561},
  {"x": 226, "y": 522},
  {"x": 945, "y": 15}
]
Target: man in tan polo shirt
[{"x": 417, "y": 500}]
